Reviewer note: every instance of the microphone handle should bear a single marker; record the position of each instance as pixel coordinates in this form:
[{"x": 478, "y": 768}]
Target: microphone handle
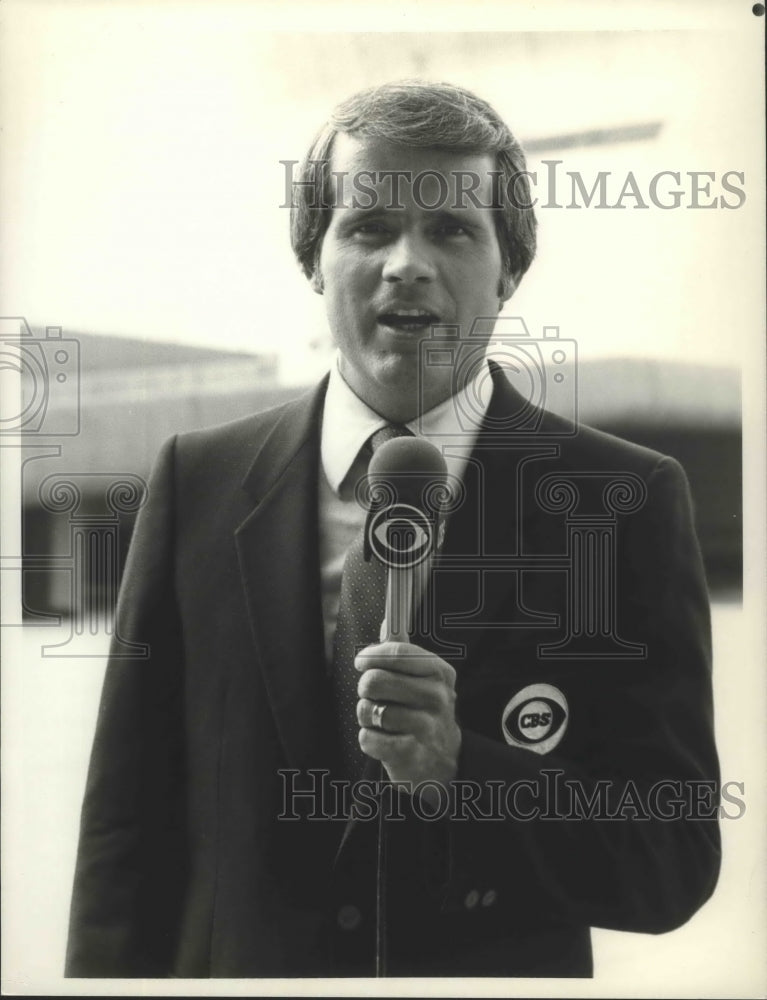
[
  {"x": 398, "y": 621},
  {"x": 396, "y": 627}
]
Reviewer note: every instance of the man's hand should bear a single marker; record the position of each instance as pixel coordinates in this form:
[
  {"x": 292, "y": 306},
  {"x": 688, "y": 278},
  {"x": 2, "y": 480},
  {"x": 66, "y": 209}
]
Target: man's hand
[{"x": 420, "y": 739}]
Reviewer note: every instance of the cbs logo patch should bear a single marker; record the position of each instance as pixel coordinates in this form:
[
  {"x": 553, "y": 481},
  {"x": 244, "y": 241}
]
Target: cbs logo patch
[
  {"x": 535, "y": 718},
  {"x": 400, "y": 536}
]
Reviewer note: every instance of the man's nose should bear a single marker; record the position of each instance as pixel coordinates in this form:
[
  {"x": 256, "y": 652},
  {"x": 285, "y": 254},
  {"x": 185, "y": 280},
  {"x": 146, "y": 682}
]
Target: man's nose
[{"x": 409, "y": 259}]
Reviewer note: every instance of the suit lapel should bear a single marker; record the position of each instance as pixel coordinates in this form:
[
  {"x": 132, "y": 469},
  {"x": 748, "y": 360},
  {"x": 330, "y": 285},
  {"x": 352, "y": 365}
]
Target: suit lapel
[
  {"x": 469, "y": 580},
  {"x": 278, "y": 551}
]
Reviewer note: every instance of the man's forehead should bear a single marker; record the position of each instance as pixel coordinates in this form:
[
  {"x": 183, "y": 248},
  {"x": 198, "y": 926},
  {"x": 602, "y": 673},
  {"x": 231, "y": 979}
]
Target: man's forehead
[
  {"x": 363, "y": 150},
  {"x": 373, "y": 163}
]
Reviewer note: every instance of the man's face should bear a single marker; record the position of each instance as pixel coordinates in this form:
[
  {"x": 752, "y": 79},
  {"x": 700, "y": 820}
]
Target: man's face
[{"x": 392, "y": 270}]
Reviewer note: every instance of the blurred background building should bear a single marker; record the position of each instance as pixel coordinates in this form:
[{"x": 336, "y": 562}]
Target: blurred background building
[{"x": 132, "y": 395}]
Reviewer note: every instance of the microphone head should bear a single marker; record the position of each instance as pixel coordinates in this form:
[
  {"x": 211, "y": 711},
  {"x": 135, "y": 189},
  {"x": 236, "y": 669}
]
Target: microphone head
[
  {"x": 407, "y": 483},
  {"x": 411, "y": 467}
]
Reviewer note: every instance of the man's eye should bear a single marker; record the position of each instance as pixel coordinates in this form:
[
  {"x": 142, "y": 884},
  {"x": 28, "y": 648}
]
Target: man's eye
[
  {"x": 371, "y": 229},
  {"x": 452, "y": 229}
]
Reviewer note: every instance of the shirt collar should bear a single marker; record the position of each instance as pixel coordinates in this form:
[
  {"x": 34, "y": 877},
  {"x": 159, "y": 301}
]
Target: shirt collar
[{"x": 347, "y": 423}]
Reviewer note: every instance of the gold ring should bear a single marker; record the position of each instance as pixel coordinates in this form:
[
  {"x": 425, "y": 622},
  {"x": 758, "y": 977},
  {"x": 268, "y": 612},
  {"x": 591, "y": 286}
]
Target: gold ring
[{"x": 376, "y": 719}]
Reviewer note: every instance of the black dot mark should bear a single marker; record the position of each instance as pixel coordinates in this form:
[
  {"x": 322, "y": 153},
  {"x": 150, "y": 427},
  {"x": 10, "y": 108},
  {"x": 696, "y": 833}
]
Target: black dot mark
[{"x": 758, "y": 9}]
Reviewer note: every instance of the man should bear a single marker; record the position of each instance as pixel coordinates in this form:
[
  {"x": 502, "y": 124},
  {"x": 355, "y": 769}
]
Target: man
[{"x": 547, "y": 728}]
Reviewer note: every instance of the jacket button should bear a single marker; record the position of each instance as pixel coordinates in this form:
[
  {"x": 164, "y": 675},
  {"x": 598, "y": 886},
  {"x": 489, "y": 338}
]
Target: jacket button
[
  {"x": 490, "y": 897},
  {"x": 349, "y": 917},
  {"x": 471, "y": 900}
]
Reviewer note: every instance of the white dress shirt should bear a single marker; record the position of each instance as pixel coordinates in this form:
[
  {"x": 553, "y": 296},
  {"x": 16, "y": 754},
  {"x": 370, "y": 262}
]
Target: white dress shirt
[{"x": 347, "y": 423}]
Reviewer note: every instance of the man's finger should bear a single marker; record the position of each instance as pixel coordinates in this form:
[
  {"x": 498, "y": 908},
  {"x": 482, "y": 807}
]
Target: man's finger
[
  {"x": 392, "y": 748},
  {"x": 427, "y": 693},
  {"x": 404, "y": 658},
  {"x": 393, "y": 719}
]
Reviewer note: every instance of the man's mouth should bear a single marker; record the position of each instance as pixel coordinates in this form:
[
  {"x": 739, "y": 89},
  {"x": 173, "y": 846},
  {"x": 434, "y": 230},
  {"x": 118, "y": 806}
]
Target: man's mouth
[{"x": 410, "y": 320}]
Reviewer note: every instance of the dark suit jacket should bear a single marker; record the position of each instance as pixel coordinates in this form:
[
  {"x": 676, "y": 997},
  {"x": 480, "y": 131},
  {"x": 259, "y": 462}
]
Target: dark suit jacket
[{"x": 184, "y": 866}]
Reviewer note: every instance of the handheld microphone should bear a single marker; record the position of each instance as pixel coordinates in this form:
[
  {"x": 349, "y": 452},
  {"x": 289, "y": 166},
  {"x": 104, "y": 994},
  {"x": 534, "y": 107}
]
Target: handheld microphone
[
  {"x": 407, "y": 480},
  {"x": 406, "y": 488}
]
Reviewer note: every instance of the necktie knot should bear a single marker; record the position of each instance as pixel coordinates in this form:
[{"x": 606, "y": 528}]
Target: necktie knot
[{"x": 388, "y": 433}]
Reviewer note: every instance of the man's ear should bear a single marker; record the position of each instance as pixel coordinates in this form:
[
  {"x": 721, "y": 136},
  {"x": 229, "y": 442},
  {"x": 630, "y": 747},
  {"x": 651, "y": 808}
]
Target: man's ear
[{"x": 316, "y": 281}]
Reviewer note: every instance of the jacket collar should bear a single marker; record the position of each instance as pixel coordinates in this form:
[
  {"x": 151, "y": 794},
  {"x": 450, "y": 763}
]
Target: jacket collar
[{"x": 297, "y": 426}]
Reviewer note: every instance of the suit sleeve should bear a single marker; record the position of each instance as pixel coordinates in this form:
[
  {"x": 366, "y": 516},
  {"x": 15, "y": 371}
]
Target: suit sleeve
[
  {"x": 648, "y": 855},
  {"x": 130, "y": 869}
]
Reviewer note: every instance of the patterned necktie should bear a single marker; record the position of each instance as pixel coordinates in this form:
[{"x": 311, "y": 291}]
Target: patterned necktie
[{"x": 360, "y": 613}]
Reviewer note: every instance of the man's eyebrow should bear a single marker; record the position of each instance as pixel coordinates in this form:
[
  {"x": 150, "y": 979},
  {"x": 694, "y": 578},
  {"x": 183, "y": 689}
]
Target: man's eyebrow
[
  {"x": 354, "y": 213},
  {"x": 461, "y": 215},
  {"x": 362, "y": 209}
]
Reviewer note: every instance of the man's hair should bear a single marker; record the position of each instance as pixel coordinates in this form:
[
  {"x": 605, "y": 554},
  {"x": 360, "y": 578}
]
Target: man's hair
[{"x": 428, "y": 115}]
